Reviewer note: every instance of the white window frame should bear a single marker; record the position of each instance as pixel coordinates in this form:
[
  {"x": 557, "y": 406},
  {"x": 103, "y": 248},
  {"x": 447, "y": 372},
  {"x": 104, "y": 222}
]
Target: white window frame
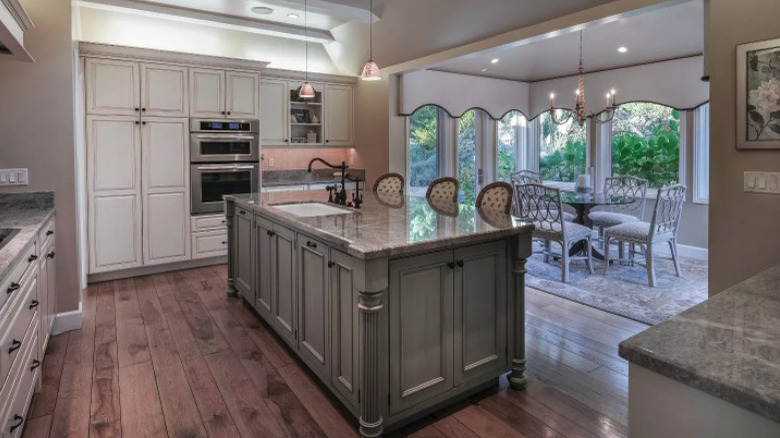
[
  {"x": 444, "y": 140},
  {"x": 701, "y": 154},
  {"x": 523, "y": 160}
]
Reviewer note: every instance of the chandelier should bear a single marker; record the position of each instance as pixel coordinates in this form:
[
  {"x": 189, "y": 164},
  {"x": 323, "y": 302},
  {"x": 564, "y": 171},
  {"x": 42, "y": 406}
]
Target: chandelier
[{"x": 582, "y": 113}]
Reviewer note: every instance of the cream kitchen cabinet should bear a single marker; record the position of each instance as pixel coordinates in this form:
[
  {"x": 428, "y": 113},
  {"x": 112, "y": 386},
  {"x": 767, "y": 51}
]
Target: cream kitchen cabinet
[
  {"x": 274, "y": 113},
  {"x": 338, "y": 114},
  {"x": 224, "y": 94},
  {"x": 126, "y": 88}
]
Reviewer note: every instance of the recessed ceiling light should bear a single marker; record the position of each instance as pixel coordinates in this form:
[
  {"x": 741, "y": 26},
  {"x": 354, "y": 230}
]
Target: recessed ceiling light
[
  {"x": 494, "y": 61},
  {"x": 293, "y": 15},
  {"x": 262, "y": 10},
  {"x": 622, "y": 49},
  {"x": 484, "y": 69}
]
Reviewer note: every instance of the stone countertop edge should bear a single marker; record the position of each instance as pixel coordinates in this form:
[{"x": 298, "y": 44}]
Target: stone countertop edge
[
  {"x": 30, "y": 221},
  {"x": 392, "y": 251},
  {"x": 757, "y": 295}
]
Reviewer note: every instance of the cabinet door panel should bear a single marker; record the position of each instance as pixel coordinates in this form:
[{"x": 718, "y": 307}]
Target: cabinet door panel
[
  {"x": 344, "y": 326},
  {"x": 243, "y": 275},
  {"x": 264, "y": 269},
  {"x": 480, "y": 310},
  {"x": 421, "y": 295},
  {"x": 166, "y": 227},
  {"x": 116, "y": 232},
  {"x": 242, "y": 95},
  {"x": 338, "y": 115},
  {"x": 164, "y": 90},
  {"x": 313, "y": 304},
  {"x": 114, "y": 152},
  {"x": 274, "y": 108},
  {"x": 51, "y": 288},
  {"x": 165, "y": 152},
  {"x": 207, "y": 93},
  {"x": 284, "y": 284},
  {"x": 44, "y": 308},
  {"x": 113, "y": 87}
]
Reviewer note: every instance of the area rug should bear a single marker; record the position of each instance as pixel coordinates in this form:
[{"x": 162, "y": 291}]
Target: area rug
[{"x": 624, "y": 290}]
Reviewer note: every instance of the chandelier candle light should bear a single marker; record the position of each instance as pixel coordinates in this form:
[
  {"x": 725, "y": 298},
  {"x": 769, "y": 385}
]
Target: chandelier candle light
[
  {"x": 306, "y": 91},
  {"x": 580, "y": 111},
  {"x": 371, "y": 70}
]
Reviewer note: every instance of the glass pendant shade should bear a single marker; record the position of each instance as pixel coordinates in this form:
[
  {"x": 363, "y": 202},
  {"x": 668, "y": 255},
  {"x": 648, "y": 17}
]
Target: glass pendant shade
[
  {"x": 306, "y": 91},
  {"x": 371, "y": 72}
]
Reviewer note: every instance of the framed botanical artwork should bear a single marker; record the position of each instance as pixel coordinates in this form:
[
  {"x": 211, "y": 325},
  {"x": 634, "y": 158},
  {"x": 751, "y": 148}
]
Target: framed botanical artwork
[{"x": 758, "y": 95}]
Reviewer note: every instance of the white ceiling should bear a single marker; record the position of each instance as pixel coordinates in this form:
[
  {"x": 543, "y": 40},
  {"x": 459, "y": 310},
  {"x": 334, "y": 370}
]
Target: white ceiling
[{"x": 665, "y": 33}]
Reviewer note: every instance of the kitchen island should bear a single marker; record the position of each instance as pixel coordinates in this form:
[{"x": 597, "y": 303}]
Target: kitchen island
[{"x": 399, "y": 307}]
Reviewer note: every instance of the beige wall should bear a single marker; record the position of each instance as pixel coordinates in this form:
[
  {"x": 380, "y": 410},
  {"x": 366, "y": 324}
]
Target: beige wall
[
  {"x": 37, "y": 128},
  {"x": 743, "y": 227}
]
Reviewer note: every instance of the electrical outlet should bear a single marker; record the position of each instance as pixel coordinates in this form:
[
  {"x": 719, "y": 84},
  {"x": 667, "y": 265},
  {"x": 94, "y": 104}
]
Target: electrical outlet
[
  {"x": 270, "y": 162},
  {"x": 13, "y": 177},
  {"x": 762, "y": 182}
]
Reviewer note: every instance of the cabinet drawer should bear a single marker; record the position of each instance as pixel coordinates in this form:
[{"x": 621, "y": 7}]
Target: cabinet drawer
[
  {"x": 13, "y": 339},
  {"x": 208, "y": 222},
  {"x": 11, "y": 286},
  {"x": 21, "y": 387},
  {"x": 46, "y": 234},
  {"x": 209, "y": 244}
]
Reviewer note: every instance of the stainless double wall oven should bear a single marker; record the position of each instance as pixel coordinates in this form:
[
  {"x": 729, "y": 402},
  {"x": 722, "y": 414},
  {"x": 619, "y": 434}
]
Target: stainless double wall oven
[{"x": 225, "y": 160}]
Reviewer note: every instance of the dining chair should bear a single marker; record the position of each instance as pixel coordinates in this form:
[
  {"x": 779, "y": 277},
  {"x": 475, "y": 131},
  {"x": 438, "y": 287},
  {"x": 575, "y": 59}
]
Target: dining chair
[
  {"x": 662, "y": 228},
  {"x": 529, "y": 176},
  {"x": 541, "y": 205},
  {"x": 445, "y": 188},
  {"x": 496, "y": 196},
  {"x": 390, "y": 183},
  {"x": 627, "y": 186}
]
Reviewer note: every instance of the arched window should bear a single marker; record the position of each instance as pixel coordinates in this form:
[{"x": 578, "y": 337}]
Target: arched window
[
  {"x": 510, "y": 132},
  {"x": 646, "y": 143},
  {"x": 424, "y": 148},
  {"x": 562, "y": 148}
]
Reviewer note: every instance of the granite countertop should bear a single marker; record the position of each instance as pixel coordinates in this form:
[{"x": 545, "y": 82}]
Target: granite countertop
[
  {"x": 727, "y": 346},
  {"x": 275, "y": 178},
  {"x": 27, "y": 212},
  {"x": 387, "y": 225}
]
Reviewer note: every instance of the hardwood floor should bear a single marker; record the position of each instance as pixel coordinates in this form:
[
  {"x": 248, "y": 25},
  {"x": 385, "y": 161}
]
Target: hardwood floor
[{"x": 171, "y": 355}]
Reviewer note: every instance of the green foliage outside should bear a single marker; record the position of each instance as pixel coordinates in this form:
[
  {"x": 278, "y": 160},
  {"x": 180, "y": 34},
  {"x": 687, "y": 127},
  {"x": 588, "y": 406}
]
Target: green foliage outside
[
  {"x": 423, "y": 146},
  {"x": 563, "y": 149},
  {"x": 467, "y": 157},
  {"x": 507, "y": 144},
  {"x": 646, "y": 143}
]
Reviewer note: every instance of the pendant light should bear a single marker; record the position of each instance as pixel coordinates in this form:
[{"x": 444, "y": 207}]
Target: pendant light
[
  {"x": 371, "y": 70},
  {"x": 306, "y": 91}
]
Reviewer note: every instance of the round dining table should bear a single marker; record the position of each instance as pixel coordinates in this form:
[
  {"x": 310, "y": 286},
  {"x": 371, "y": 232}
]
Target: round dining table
[{"x": 583, "y": 203}]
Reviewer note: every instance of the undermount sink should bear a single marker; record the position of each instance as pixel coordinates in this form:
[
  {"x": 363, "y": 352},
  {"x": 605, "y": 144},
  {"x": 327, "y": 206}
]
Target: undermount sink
[
  {"x": 311, "y": 209},
  {"x": 6, "y": 234}
]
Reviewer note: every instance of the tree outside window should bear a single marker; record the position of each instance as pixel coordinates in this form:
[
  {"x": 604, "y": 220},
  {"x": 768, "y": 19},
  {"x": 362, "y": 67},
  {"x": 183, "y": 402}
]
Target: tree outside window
[
  {"x": 508, "y": 131},
  {"x": 646, "y": 143},
  {"x": 423, "y": 148},
  {"x": 563, "y": 148},
  {"x": 467, "y": 156}
]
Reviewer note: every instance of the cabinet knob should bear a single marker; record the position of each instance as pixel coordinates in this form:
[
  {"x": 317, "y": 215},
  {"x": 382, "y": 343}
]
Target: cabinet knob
[
  {"x": 241, "y": 212},
  {"x": 327, "y": 141},
  {"x": 228, "y": 112},
  {"x": 286, "y": 140},
  {"x": 451, "y": 265},
  {"x": 34, "y": 304},
  {"x": 270, "y": 233},
  {"x": 224, "y": 242},
  {"x": 18, "y": 421},
  {"x": 15, "y": 345},
  {"x": 143, "y": 123},
  {"x": 50, "y": 255},
  {"x": 13, "y": 287},
  {"x": 137, "y": 122},
  {"x": 137, "y": 109},
  {"x": 143, "y": 109},
  {"x": 460, "y": 263},
  {"x": 222, "y": 112},
  {"x": 331, "y": 264},
  {"x": 35, "y": 364}
]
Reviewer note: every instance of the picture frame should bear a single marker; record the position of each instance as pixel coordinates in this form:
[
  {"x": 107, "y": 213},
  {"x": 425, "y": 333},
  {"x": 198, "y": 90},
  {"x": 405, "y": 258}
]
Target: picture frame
[{"x": 758, "y": 95}]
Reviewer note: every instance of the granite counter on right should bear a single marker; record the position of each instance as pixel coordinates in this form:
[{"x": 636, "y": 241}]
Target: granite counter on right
[{"x": 712, "y": 371}]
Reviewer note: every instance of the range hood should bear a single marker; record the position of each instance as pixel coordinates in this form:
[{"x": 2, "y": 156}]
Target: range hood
[{"x": 14, "y": 21}]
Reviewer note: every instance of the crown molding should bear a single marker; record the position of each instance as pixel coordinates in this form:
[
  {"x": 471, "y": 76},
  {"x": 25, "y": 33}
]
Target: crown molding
[
  {"x": 97, "y": 50},
  {"x": 19, "y": 14},
  {"x": 275, "y": 73}
]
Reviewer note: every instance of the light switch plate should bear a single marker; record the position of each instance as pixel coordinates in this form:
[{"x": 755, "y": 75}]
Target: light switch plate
[
  {"x": 13, "y": 177},
  {"x": 762, "y": 182}
]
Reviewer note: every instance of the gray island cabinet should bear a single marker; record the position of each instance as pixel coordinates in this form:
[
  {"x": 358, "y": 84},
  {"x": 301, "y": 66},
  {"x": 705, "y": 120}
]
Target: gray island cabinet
[{"x": 397, "y": 308}]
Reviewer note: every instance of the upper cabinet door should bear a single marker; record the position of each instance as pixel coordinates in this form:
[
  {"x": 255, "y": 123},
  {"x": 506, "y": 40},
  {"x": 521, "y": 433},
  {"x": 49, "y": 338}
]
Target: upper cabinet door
[
  {"x": 164, "y": 90},
  {"x": 273, "y": 113},
  {"x": 242, "y": 95},
  {"x": 207, "y": 93},
  {"x": 338, "y": 115},
  {"x": 113, "y": 87}
]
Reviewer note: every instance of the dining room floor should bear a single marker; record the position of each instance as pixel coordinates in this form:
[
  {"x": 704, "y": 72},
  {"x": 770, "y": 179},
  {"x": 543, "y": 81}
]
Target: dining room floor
[{"x": 172, "y": 355}]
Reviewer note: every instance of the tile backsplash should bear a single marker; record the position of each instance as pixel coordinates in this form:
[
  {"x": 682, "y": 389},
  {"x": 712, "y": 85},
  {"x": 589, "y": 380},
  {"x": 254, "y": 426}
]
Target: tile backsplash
[{"x": 298, "y": 158}]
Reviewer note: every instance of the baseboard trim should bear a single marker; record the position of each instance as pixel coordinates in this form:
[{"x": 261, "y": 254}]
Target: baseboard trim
[
  {"x": 67, "y": 321},
  {"x": 156, "y": 269},
  {"x": 691, "y": 252}
]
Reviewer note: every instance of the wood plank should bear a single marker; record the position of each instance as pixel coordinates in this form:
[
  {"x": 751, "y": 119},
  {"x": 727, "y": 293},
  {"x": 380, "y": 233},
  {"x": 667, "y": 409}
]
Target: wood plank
[
  {"x": 451, "y": 427},
  {"x": 284, "y": 405},
  {"x": 181, "y": 413},
  {"x": 429, "y": 431},
  {"x": 37, "y": 427},
  {"x": 142, "y": 414},
  {"x": 72, "y": 411},
  {"x": 46, "y": 400},
  {"x": 483, "y": 423},
  {"x": 543, "y": 298},
  {"x": 519, "y": 419},
  {"x": 613, "y": 362},
  {"x": 249, "y": 410},
  {"x": 162, "y": 286},
  {"x": 571, "y": 334},
  {"x": 206, "y": 333},
  {"x": 213, "y": 410},
  {"x": 573, "y": 360},
  {"x": 327, "y": 416},
  {"x": 105, "y": 410},
  {"x": 131, "y": 335}
]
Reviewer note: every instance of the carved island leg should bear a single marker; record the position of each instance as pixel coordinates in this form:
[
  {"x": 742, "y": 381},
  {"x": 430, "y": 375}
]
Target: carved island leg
[
  {"x": 231, "y": 288},
  {"x": 521, "y": 250},
  {"x": 371, "y": 422}
]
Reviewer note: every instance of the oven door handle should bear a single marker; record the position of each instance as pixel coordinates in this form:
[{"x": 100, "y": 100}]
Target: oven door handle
[
  {"x": 237, "y": 167},
  {"x": 224, "y": 137}
]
